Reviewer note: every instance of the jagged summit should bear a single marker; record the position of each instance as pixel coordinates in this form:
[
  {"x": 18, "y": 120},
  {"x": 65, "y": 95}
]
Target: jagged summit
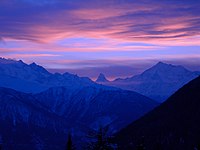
[
  {"x": 160, "y": 66},
  {"x": 162, "y": 63},
  {"x": 33, "y": 78},
  {"x": 163, "y": 67},
  {"x": 33, "y": 64},
  {"x": 101, "y": 78},
  {"x": 9, "y": 61},
  {"x": 163, "y": 72},
  {"x": 38, "y": 68}
]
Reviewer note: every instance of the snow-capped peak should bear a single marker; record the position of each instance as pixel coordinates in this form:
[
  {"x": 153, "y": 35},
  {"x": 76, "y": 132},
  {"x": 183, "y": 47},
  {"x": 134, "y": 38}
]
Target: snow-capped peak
[
  {"x": 157, "y": 82},
  {"x": 163, "y": 65},
  {"x": 38, "y": 68},
  {"x": 9, "y": 61},
  {"x": 34, "y": 78},
  {"x": 165, "y": 69}
]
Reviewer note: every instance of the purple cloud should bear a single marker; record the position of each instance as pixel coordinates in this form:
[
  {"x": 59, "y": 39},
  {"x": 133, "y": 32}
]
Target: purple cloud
[{"x": 44, "y": 21}]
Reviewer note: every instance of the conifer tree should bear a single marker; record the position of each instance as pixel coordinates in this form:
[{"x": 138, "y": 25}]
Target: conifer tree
[
  {"x": 100, "y": 140},
  {"x": 70, "y": 145},
  {"x": 1, "y": 143}
]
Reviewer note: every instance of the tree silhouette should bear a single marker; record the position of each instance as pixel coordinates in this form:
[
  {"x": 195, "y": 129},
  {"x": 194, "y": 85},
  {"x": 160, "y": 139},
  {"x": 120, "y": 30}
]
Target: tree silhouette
[
  {"x": 100, "y": 140},
  {"x": 70, "y": 145},
  {"x": 1, "y": 142}
]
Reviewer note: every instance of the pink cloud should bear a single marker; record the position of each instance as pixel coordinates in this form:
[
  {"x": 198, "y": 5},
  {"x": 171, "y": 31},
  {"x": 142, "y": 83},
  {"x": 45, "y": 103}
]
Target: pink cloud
[{"x": 146, "y": 23}]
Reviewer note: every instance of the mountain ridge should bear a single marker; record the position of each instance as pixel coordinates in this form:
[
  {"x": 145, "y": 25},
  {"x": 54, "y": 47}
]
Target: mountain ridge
[
  {"x": 68, "y": 102},
  {"x": 39, "y": 78},
  {"x": 158, "y": 82},
  {"x": 174, "y": 129}
]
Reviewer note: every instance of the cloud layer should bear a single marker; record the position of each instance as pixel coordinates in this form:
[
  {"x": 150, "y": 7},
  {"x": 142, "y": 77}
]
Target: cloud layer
[
  {"x": 67, "y": 33},
  {"x": 160, "y": 22}
]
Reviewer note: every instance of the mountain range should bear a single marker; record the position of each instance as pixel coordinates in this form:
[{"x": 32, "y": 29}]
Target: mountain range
[
  {"x": 174, "y": 125},
  {"x": 47, "y": 106},
  {"x": 158, "y": 82},
  {"x": 38, "y": 109},
  {"x": 34, "y": 78}
]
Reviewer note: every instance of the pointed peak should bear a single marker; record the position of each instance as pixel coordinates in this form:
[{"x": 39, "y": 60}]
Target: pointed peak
[
  {"x": 101, "y": 78},
  {"x": 38, "y": 67},
  {"x": 101, "y": 74},
  {"x": 166, "y": 65},
  {"x": 165, "y": 68},
  {"x": 33, "y": 64},
  {"x": 20, "y": 61},
  {"x": 10, "y": 61},
  {"x": 160, "y": 63}
]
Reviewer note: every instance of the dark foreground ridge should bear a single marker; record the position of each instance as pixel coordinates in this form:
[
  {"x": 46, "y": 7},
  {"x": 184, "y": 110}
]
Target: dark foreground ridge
[{"x": 174, "y": 125}]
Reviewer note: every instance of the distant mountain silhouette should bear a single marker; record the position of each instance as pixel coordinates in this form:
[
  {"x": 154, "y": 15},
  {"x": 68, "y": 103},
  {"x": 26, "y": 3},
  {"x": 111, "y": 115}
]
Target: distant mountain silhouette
[
  {"x": 101, "y": 78},
  {"x": 174, "y": 125},
  {"x": 157, "y": 82}
]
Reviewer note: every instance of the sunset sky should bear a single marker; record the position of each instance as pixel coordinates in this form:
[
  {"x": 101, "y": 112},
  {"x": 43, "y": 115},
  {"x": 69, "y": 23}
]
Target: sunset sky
[{"x": 116, "y": 37}]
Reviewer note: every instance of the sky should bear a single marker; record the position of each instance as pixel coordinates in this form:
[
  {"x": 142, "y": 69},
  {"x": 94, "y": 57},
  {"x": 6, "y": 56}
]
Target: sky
[{"x": 119, "y": 38}]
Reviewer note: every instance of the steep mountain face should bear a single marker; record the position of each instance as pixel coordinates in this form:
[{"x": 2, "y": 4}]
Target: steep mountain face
[
  {"x": 173, "y": 125},
  {"x": 158, "y": 82},
  {"x": 34, "y": 78},
  {"x": 101, "y": 78},
  {"x": 93, "y": 106},
  {"x": 26, "y": 123}
]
